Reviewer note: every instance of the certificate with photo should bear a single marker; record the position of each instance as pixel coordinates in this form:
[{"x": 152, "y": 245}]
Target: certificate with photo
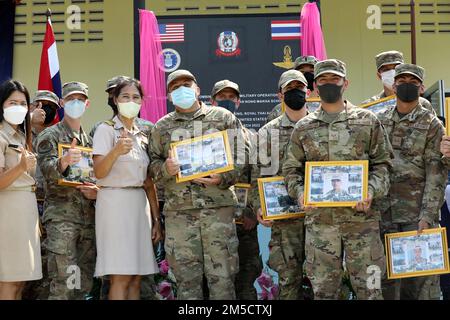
[
  {"x": 312, "y": 104},
  {"x": 275, "y": 202},
  {"x": 241, "y": 190},
  {"x": 380, "y": 105},
  {"x": 202, "y": 156},
  {"x": 81, "y": 172},
  {"x": 335, "y": 183},
  {"x": 411, "y": 255}
]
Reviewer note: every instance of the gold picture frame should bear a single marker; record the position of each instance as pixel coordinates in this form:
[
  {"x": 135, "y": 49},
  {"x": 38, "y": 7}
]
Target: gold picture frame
[
  {"x": 353, "y": 174},
  {"x": 190, "y": 154},
  {"x": 447, "y": 116},
  {"x": 80, "y": 172},
  {"x": 276, "y": 204},
  {"x": 380, "y": 105},
  {"x": 241, "y": 190},
  {"x": 405, "y": 253}
]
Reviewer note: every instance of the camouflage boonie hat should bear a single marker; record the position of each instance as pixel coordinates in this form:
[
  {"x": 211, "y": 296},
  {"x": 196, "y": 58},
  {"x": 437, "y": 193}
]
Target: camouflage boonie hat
[
  {"x": 45, "y": 95},
  {"x": 300, "y": 61},
  {"x": 289, "y": 76},
  {"x": 330, "y": 66},
  {"x": 220, "y": 85},
  {"x": 114, "y": 82},
  {"x": 411, "y": 69},
  {"x": 74, "y": 87},
  {"x": 388, "y": 57},
  {"x": 179, "y": 74}
]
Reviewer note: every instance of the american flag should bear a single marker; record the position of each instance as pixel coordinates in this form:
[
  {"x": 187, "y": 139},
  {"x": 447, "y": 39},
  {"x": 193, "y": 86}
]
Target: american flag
[{"x": 171, "y": 32}]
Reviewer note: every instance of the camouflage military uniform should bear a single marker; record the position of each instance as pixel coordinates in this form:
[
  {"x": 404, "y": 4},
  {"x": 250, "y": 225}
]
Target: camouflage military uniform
[
  {"x": 355, "y": 134},
  {"x": 250, "y": 263},
  {"x": 200, "y": 232},
  {"x": 287, "y": 244},
  {"x": 418, "y": 181},
  {"x": 68, "y": 218}
]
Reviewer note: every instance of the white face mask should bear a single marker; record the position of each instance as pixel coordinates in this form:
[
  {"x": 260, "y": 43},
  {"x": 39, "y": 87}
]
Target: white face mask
[
  {"x": 15, "y": 115},
  {"x": 74, "y": 108},
  {"x": 129, "y": 110},
  {"x": 388, "y": 78}
]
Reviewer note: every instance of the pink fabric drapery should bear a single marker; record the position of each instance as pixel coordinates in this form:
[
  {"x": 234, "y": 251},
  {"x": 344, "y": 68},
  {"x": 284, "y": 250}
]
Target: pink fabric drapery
[
  {"x": 312, "y": 43},
  {"x": 151, "y": 75}
]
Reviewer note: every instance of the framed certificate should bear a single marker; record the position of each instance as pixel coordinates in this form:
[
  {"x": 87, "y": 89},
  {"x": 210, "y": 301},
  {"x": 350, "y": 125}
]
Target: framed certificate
[
  {"x": 411, "y": 255},
  {"x": 335, "y": 183},
  {"x": 81, "y": 172},
  {"x": 380, "y": 105},
  {"x": 312, "y": 104},
  {"x": 202, "y": 156},
  {"x": 447, "y": 116},
  {"x": 275, "y": 202},
  {"x": 241, "y": 190}
]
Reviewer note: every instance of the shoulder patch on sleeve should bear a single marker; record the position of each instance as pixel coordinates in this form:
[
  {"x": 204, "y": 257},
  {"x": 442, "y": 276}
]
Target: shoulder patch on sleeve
[
  {"x": 109, "y": 123},
  {"x": 44, "y": 146}
]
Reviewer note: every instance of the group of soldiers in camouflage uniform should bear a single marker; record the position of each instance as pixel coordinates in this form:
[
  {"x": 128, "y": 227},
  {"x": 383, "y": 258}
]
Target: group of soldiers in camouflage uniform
[{"x": 212, "y": 257}]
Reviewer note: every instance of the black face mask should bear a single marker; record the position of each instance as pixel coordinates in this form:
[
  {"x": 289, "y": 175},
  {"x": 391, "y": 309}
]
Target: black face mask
[
  {"x": 407, "y": 92},
  {"x": 330, "y": 92},
  {"x": 310, "y": 78},
  {"x": 295, "y": 99},
  {"x": 50, "y": 113},
  {"x": 230, "y": 105}
]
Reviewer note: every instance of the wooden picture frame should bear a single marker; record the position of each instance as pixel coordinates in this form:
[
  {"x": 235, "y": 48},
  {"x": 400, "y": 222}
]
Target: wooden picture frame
[
  {"x": 411, "y": 255},
  {"x": 276, "y": 204},
  {"x": 241, "y": 190},
  {"x": 81, "y": 172},
  {"x": 202, "y": 156},
  {"x": 380, "y": 105},
  {"x": 319, "y": 177}
]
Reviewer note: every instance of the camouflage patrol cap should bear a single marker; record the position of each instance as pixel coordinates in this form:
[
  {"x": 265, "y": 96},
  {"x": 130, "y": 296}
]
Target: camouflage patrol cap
[
  {"x": 411, "y": 69},
  {"x": 74, "y": 87},
  {"x": 330, "y": 66},
  {"x": 179, "y": 74},
  {"x": 300, "y": 61},
  {"x": 388, "y": 57},
  {"x": 45, "y": 95},
  {"x": 289, "y": 76},
  {"x": 336, "y": 177},
  {"x": 223, "y": 84},
  {"x": 114, "y": 82}
]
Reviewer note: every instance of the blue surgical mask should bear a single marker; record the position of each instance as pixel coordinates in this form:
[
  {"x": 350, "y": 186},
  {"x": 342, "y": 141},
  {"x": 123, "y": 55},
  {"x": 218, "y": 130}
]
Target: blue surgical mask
[
  {"x": 230, "y": 105},
  {"x": 74, "y": 108},
  {"x": 183, "y": 97}
]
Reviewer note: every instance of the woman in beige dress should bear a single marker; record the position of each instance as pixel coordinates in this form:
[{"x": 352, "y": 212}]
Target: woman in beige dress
[
  {"x": 123, "y": 219},
  {"x": 20, "y": 250}
]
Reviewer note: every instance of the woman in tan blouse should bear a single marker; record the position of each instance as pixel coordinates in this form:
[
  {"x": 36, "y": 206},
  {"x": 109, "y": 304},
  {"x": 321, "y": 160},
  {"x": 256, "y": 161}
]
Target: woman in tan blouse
[
  {"x": 123, "y": 219},
  {"x": 20, "y": 253}
]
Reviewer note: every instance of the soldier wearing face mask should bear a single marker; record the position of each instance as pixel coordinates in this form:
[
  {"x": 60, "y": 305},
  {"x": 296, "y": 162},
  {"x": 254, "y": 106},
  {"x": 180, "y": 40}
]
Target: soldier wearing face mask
[
  {"x": 304, "y": 64},
  {"x": 418, "y": 178},
  {"x": 386, "y": 63},
  {"x": 200, "y": 230},
  {"x": 225, "y": 94},
  {"x": 287, "y": 238},
  {"x": 339, "y": 131},
  {"x": 46, "y": 104},
  {"x": 68, "y": 211}
]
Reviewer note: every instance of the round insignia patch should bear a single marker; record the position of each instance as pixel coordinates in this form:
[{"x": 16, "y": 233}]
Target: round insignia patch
[{"x": 170, "y": 60}]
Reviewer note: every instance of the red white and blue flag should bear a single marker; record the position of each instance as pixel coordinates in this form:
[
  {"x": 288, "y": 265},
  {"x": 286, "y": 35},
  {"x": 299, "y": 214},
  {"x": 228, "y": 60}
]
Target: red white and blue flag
[
  {"x": 171, "y": 32},
  {"x": 285, "y": 30},
  {"x": 49, "y": 77}
]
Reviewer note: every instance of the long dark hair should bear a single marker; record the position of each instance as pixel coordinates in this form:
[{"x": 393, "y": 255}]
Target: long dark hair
[
  {"x": 7, "y": 88},
  {"x": 126, "y": 83}
]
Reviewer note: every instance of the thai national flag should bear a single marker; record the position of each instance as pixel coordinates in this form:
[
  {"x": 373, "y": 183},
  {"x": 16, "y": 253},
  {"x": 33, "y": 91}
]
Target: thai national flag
[
  {"x": 49, "y": 77},
  {"x": 285, "y": 30}
]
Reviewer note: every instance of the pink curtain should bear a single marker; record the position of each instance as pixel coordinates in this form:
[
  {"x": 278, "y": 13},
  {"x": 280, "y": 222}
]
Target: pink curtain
[
  {"x": 152, "y": 77},
  {"x": 312, "y": 43}
]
